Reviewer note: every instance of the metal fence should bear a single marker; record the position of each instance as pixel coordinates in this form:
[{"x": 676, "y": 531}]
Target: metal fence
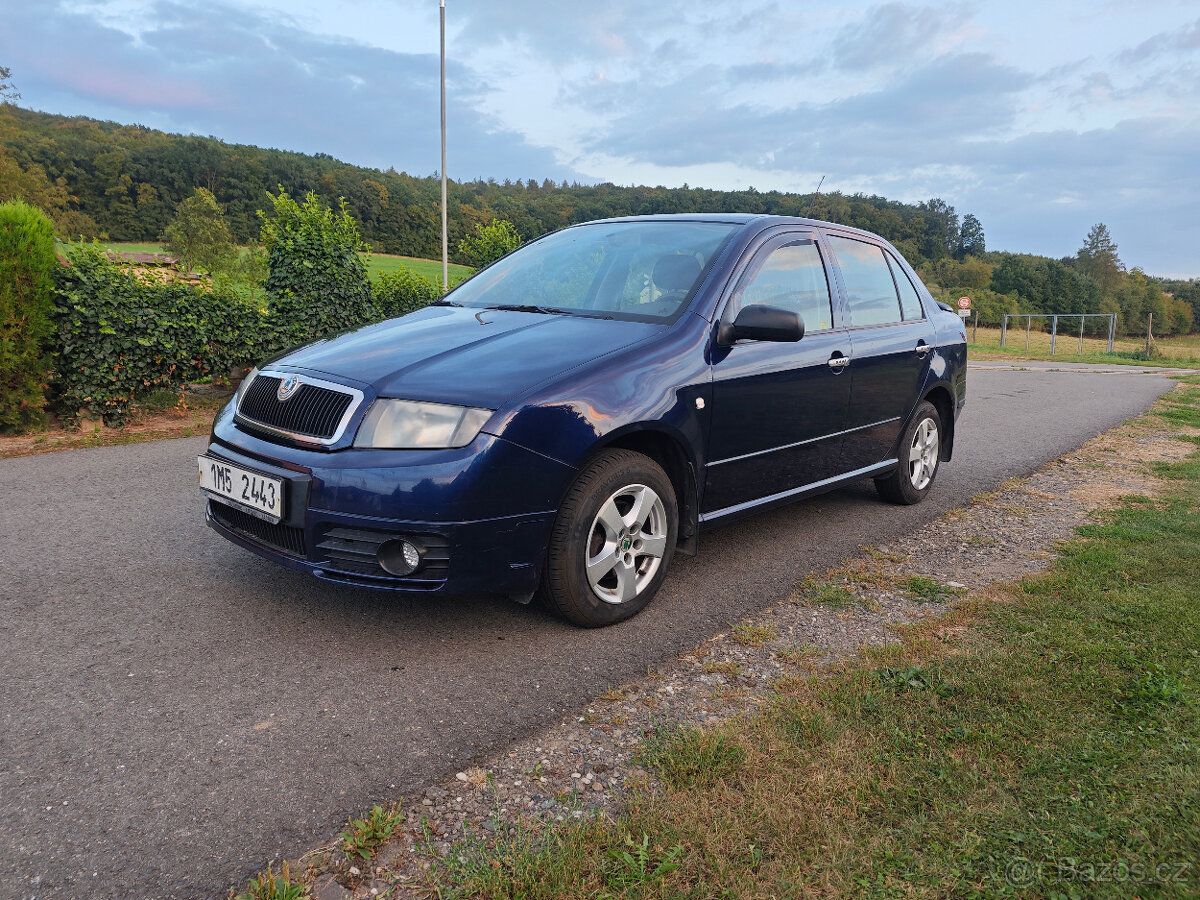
[{"x": 1082, "y": 317}]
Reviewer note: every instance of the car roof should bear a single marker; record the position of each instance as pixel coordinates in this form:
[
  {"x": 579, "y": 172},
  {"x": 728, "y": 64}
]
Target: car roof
[{"x": 761, "y": 220}]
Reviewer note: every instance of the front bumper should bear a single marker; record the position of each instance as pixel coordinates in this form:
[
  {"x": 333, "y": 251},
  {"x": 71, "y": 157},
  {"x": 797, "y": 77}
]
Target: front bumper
[{"x": 480, "y": 516}]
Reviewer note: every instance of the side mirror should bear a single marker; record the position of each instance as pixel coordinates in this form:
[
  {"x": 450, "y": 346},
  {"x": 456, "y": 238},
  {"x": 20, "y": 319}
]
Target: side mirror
[{"x": 762, "y": 323}]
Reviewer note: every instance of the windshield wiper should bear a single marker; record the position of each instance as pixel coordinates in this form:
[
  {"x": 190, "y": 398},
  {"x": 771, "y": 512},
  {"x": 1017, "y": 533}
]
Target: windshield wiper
[
  {"x": 444, "y": 303},
  {"x": 530, "y": 308}
]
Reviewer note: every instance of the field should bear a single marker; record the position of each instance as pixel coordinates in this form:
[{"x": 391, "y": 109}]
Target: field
[
  {"x": 377, "y": 263},
  {"x": 1182, "y": 350},
  {"x": 136, "y": 248}
]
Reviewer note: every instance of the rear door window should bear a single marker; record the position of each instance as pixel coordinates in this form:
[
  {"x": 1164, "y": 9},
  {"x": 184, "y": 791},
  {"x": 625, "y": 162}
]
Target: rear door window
[{"x": 870, "y": 290}]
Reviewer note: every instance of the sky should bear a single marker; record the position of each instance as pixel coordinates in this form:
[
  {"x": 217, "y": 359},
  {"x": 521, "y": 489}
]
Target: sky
[{"x": 1040, "y": 118}]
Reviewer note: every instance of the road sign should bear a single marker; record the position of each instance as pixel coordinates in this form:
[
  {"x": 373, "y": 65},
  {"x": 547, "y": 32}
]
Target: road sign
[{"x": 964, "y": 302}]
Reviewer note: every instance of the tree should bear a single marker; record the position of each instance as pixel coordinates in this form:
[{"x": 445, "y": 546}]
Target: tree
[
  {"x": 942, "y": 230},
  {"x": 199, "y": 236},
  {"x": 7, "y": 92},
  {"x": 247, "y": 273},
  {"x": 487, "y": 243},
  {"x": 1045, "y": 285},
  {"x": 971, "y": 240},
  {"x": 951, "y": 275},
  {"x": 1098, "y": 259}
]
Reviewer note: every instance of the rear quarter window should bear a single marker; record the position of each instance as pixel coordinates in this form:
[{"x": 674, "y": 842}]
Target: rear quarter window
[{"x": 910, "y": 301}]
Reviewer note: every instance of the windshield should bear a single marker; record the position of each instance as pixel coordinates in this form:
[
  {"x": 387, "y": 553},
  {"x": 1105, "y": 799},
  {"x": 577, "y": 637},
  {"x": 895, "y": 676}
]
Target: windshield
[{"x": 642, "y": 271}]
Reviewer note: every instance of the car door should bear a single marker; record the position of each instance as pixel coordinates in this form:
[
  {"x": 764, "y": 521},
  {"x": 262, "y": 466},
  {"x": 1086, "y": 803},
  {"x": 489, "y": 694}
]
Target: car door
[
  {"x": 891, "y": 343},
  {"x": 778, "y": 408}
]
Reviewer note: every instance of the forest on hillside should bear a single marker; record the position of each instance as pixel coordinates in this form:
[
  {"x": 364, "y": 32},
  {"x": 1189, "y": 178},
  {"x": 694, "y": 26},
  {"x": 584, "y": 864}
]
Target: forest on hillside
[{"x": 126, "y": 183}]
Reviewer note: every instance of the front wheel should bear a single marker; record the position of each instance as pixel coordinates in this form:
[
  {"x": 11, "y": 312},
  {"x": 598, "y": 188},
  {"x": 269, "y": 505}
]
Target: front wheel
[
  {"x": 612, "y": 540},
  {"x": 920, "y": 449}
]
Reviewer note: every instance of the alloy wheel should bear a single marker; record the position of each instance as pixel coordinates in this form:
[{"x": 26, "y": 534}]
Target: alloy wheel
[
  {"x": 923, "y": 454},
  {"x": 626, "y": 543}
]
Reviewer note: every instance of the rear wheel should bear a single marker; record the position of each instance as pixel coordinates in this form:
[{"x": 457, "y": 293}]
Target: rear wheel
[
  {"x": 612, "y": 540},
  {"x": 920, "y": 449}
]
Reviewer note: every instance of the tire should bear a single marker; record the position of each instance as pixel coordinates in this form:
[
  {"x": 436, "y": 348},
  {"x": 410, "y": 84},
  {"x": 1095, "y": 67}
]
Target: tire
[
  {"x": 920, "y": 446},
  {"x": 620, "y": 504}
]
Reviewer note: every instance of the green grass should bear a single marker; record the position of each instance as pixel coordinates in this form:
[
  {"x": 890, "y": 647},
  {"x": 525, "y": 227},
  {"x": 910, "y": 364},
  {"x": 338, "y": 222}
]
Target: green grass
[
  {"x": 1182, "y": 406},
  {"x": 924, "y": 589},
  {"x": 828, "y": 593},
  {"x": 135, "y": 248},
  {"x": 749, "y": 635},
  {"x": 1179, "y": 351},
  {"x": 1052, "y": 750},
  {"x": 377, "y": 263}
]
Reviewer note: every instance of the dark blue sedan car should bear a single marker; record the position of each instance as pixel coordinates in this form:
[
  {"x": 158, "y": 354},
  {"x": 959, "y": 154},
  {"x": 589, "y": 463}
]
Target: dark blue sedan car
[{"x": 566, "y": 420}]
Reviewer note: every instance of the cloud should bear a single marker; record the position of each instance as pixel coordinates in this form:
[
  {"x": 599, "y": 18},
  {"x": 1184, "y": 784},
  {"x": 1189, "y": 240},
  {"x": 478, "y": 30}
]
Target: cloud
[
  {"x": 1167, "y": 43},
  {"x": 250, "y": 78},
  {"x": 895, "y": 34},
  {"x": 922, "y": 117}
]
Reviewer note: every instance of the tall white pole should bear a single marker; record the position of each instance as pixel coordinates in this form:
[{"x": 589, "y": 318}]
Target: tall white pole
[{"x": 445, "y": 227}]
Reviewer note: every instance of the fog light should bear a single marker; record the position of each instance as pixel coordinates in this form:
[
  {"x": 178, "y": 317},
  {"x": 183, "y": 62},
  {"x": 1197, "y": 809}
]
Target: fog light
[{"x": 399, "y": 557}]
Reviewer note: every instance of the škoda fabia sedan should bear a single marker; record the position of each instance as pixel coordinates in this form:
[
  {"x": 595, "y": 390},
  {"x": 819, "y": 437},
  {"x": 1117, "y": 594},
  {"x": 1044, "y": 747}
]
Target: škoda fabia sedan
[{"x": 565, "y": 421}]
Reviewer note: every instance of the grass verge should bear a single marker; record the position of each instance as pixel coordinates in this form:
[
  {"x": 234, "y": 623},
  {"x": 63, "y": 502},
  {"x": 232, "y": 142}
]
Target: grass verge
[
  {"x": 1051, "y": 748},
  {"x": 1177, "y": 351}
]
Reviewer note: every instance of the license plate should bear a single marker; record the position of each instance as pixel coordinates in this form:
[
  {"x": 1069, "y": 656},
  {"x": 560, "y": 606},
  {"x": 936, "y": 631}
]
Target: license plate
[{"x": 257, "y": 493}]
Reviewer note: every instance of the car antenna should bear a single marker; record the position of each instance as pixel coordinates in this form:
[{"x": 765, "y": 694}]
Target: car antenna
[{"x": 808, "y": 209}]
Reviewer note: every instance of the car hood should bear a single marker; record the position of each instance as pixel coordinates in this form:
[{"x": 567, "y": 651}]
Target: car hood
[{"x": 468, "y": 356}]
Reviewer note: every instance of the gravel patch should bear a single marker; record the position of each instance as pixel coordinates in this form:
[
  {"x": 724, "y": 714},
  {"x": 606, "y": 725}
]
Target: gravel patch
[{"x": 584, "y": 765}]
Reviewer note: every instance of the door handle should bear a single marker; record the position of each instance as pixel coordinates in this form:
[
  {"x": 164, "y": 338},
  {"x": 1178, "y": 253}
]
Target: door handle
[
  {"x": 837, "y": 363},
  {"x": 922, "y": 349}
]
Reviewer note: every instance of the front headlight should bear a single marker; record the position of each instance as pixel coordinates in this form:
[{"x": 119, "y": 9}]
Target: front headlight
[{"x": 409, "y": 425}]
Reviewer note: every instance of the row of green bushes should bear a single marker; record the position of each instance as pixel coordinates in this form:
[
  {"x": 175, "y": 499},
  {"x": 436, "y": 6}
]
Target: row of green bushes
[{"x": 92, "y": 336}]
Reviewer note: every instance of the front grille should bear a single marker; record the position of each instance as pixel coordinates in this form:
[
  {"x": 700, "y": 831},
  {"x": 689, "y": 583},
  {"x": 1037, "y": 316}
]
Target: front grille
[
  {"x": 283, "y": 538},
  {"x": 313, "y": 411},
  {"x": 355, "y": 551}
]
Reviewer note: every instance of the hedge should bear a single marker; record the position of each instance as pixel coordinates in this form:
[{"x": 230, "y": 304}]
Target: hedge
[
  {"x": 120, "y": 335},
  {"x": 26, "y": 310},
  {"x": 403, "y": 291},
  {"x": 318, "y": 282}
]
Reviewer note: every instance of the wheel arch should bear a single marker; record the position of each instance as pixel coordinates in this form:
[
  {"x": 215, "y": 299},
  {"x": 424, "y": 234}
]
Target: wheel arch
[
  {"x": 943, "y": 401},
  {"x": 669, "y": 452}
]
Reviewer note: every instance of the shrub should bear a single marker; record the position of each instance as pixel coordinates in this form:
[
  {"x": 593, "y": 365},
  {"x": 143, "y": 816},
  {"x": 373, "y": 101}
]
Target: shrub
[
  {"x": 121, "y": 336},
  {"x": 989, "y": 305},
  {"x": 26, "y": 309},
  {"x": 317, "y": 283},
  {"x": 199, "y": 236},
  {"x": 403, "y": 291},
  {"x": 487, "y": 243}
]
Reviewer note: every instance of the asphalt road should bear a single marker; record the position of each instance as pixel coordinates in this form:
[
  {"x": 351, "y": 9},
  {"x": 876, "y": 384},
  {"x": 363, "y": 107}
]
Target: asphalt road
[{"x": 174, "y": 711}]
